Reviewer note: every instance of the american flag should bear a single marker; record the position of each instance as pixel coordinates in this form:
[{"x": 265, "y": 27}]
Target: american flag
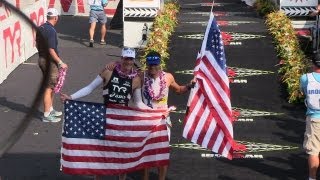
[
  {"x": 100, "y": 140},
  {"x": 209, "y": 119}
]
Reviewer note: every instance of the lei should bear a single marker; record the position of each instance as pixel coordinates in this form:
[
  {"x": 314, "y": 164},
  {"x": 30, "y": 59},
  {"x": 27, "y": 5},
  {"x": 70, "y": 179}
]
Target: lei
[
  {"x": 61, "y": 78},
  {"x": 148, "y": 88},
  {"x": 132, "y": 74}
]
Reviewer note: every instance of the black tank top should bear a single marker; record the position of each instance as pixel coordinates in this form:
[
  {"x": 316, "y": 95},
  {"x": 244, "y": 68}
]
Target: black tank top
[{"x": 118, "y": 90}]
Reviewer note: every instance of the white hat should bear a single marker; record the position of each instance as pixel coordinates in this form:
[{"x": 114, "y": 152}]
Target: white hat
[
  {"x": 128, "y": 52},
  {"x": 52, "y": 12}
]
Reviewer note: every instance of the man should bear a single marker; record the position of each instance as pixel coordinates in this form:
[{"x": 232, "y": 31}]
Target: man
[
  {"x": 310, "y": 87},
  {"x": 155, "y": 91},
  {"x": 47, "y": 45},
  {"x": 118, "y": 85},
  {"x": 97, "y": 14}
]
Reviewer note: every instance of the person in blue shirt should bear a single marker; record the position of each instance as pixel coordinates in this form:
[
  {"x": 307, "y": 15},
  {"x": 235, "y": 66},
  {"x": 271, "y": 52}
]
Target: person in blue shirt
[
  {"x": 97, "y": 14},
  {"x": 47, "y": 45},
  {"x": 310, "y": 87}
]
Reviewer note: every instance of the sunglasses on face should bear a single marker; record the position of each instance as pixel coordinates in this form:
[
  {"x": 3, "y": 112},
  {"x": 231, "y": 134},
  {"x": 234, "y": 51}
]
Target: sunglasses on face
[{"x": 153, "y": 58}]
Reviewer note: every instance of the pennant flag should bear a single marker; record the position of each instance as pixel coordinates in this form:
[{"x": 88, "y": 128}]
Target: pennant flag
[
  {"x": 209, "y": 119},
  {"x": 112, "y": 140}
]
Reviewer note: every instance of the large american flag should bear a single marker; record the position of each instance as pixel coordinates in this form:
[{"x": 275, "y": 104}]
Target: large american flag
[
  {"x": 112, "y": 140},
  {"x": 208, "y": 121}
]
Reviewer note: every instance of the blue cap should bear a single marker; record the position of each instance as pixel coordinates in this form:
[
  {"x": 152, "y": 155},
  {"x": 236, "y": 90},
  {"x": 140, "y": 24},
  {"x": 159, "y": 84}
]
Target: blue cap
[{"x": 153, "y": 60}]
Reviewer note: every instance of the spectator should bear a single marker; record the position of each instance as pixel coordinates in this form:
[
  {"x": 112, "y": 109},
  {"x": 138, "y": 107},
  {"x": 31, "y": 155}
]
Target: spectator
[
  {"x": 47, "y": 45},
  {"x": 310, "y": 87},
  {"x": 97, "y": 14}
]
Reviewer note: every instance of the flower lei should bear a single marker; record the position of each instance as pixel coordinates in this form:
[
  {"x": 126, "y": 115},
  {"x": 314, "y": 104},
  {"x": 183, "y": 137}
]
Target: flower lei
[
  {"x": 61, "y": 78},
  {"x": 132, "y": 74},
  {"x": 148, "y": 88}
]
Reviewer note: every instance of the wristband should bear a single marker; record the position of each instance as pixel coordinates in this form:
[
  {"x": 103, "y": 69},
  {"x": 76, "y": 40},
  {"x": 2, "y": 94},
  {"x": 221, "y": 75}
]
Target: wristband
[{"x": 60, "y": 63}]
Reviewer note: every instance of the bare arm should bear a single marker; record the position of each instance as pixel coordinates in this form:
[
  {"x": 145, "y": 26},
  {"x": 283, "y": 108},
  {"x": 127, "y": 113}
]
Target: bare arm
[
  {"x": 111, "y": 66},
  {"x": 175, "y": 86}
]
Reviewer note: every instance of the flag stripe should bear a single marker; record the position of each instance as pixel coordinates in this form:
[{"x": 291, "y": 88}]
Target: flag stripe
[
  {"x": 213, "y": 137},
  {"x": 195, "y": 105},
  {"x": 223, "y": 121},
  {"x": 77, "y": 141},
  {"x": 111, "y": 166},
  {"x": 87, "y": 171},
  {"x": 150, "y": 152},
  {"x": 219, "y": 102},
  {"x": 113, "y": 108},
  {"x": 127, "y": 149},
  {"x": 129, "y": 128},
  {"x": 196, "y": 121},
  {"x": 219, "y": 81},
  {"x": 124, "y": 133},
  {"x": 209, "y": 133},
  {"x": 132, "y": 118},
  {"x": 200, "y": 124},
  {"x": 131, "y": 123},
  {"x": 203, "y": 132}
]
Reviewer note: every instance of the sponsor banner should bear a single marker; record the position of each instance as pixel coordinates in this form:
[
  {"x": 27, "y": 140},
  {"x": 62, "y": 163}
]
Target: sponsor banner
[
  {"x": 68, "y": 7},
  {"x": 18, "y": 37},
  {"x": 80, "y": 7},
  {"x": 298, "y": 3},
  {"x": 141, "y": 3}
]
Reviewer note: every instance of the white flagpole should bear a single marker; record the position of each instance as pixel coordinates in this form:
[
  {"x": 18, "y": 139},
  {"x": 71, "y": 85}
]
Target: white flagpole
[{"x": 212, "y": 6}]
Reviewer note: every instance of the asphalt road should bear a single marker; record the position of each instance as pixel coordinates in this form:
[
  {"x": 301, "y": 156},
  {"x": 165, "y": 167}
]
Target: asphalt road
[{"x": 271, "y": 128}]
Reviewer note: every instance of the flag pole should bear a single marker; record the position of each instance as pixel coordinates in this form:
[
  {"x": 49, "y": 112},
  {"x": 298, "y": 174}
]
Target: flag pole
[{"x": 212, "y": 6}]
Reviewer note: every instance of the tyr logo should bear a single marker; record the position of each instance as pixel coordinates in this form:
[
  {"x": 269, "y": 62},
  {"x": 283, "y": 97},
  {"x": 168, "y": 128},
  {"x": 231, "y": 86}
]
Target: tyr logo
[
  {"x": 65, "y": 4},
  {"x": 12, "y": 40},
  {"x": 5, "y": 12},
  {"x": 118, "y": 89},
  {"x": 38, "y": 19}
]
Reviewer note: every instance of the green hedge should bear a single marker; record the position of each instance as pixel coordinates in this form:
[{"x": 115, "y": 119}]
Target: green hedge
[
  {"x": 293, "y": 62},
  {"x": 162, "y": 29}
]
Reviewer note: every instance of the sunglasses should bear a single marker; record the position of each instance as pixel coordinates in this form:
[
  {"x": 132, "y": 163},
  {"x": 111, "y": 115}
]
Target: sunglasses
[{"x": 153, "y": 58}]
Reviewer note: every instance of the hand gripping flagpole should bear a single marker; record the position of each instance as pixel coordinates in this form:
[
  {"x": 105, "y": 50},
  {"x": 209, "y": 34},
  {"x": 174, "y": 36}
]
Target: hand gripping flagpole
[{"x": 22, "y": 126}]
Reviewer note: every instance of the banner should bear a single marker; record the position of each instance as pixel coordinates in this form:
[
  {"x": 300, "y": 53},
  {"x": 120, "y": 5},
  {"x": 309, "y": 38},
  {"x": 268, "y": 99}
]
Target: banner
[
  {"x": 17, "y": 42},
  {"x": 141, "y": 3},
  {"x": 80, "y": 7},
  {"x": 299, "y": 3}
]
